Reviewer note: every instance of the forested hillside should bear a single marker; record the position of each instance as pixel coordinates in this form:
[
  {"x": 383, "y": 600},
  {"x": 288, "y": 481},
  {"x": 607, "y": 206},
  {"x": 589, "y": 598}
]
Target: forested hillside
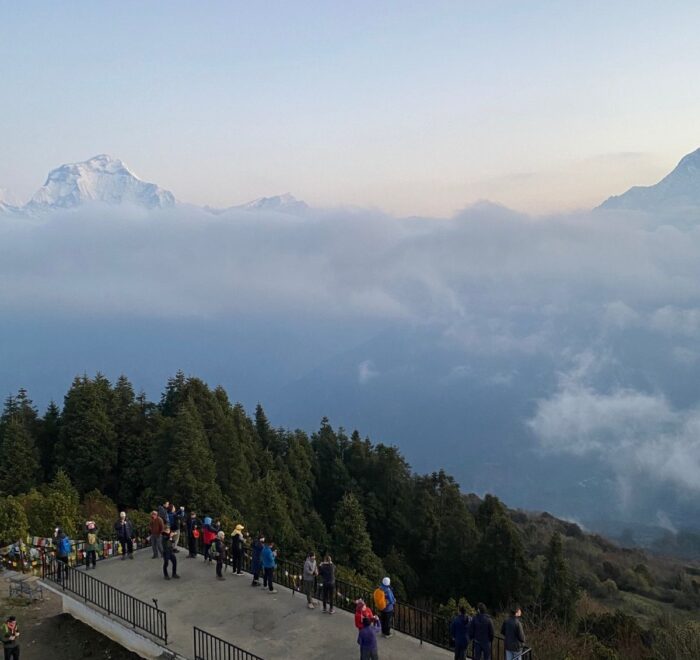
[{"x": 107, "y": 448}]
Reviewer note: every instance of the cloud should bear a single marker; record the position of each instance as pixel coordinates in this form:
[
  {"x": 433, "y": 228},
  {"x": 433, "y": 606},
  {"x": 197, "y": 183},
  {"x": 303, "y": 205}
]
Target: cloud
[
  {"x": 640, "y": 435},
  {"x": 366, "y": 372}
]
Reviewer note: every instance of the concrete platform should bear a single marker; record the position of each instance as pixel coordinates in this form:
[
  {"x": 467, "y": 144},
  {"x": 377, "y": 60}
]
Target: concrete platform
[{"x": 273, "y": 626}]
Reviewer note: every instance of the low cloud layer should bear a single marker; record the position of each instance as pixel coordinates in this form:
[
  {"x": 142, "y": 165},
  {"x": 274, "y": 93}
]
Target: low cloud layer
[{"x": 616, "y": 288}]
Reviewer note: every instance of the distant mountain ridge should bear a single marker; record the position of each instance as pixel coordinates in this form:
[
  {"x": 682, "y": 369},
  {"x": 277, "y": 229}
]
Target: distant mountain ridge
[
  {"x": 104, "y": 179},
  {"x": 677, "y": 191}
]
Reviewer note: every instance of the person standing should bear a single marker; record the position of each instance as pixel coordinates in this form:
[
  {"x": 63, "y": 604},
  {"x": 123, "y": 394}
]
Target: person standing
[
  {"x": 367, "y": 639},
  {"x": 327, "y": 572},
  {"x": 256, "y": 559},
  {"x": 175, "y": 517},
  {"x": 155, "y": 529},
  {"x": 208, "y": 535},
  {"x": 10, "y": 635},
  {"x": 513, "y": 634},
  {"x": 125, "y": 535},
  {"x": 237, "y": 546},
  {"x": 269, "y": 563},
  {"x": 168, "y": 554},
  {"x": 362, "y": 612},
  {"x": 459, "y": 631},
  {"x": 481, "y": 631},
  {"x": 309, "y": 577},
  {"x": 91, "y": 545},
  {"x": 385, "y": 601},
  {"x": 219, "y": 552},
  {"x": 63, "y": 550},
  {"x": 193, "y": 532},
  {"x": 162, "y": 512}
]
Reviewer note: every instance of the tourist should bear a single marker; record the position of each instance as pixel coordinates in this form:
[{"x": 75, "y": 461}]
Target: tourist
[
  {"x": 237, "y": 545},
  {"x": 367, "y": 639},
  {"x": 163, "y": 512},
  {"x": 481, "y": 631},
  {"x": 269, "y": 563},
  {"x": 156, "y": 526},
  {"x": 384, "y": 600},
  {"x": 309, "y": 578},
  {"x": 193, "y": 526},
  {"x": 125, "y": 535},
  {"x": 256, "y": 558},
  {"x": 327, "y": 572},
  {"x": 91, "y": 544},
  {"x": 168, "y": 554},
  {"x": 177, "y": 521},
  {"x": 513, "y": 634},
  {"x": 63, "y": 550},
  {"x": 362, "y": 611},
  {"x": 219, "y": 552},
  {"x": 209, "y": 533},
  {"x": 10, "y": 634},
  {"x": 459, "y": 631}
]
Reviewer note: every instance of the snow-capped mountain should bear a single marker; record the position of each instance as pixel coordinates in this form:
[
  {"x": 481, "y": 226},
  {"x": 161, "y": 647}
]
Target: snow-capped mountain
[
  {"x": 101, "y": 179},
  {"x": 677, "y": 191},
  {"x": 282, "y": 203}
]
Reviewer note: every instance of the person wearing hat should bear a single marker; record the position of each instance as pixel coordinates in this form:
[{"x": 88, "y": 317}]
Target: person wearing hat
[
  {"x": 193, "y": 525},
  {"x": 92, "y": 544},
  {"x": 220, "y": 553},
  {"x": 125, "y": 535},
  {"x": 10, "y": 633},
  {"x": 168, "y": 554},
  {"x": 237, "y": 547},
  {"x": 256, "y": 558},
  {"x": 386, "y": 613}
]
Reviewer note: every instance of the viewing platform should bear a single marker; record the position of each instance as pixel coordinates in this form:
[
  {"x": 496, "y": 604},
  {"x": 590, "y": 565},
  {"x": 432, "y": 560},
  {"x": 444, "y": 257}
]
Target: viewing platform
[{"x": 271, "y": 626}]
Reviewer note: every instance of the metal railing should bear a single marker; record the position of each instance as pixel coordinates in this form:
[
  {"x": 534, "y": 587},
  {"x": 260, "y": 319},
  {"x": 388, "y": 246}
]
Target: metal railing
[
  {"x": 210, "y": 647},
  {"x": 423, "y": 625},
  {"x": 110, "y": 599}
]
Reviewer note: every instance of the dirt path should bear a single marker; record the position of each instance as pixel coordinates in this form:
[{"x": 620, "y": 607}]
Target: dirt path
[{"x": 48, "y": 633}]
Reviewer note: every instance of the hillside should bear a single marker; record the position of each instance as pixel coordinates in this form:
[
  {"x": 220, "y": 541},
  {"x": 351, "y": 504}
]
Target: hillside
[{"x": 108, "y": 449}]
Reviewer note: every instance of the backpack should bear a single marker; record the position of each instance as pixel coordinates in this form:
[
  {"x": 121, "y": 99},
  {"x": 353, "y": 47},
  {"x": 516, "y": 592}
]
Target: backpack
[
  {"x": 213, "y": 551},
  {"x": 64, "y": 546},
  {"x": 92, "y": 538},
  {"x": 379, "y": 598}
]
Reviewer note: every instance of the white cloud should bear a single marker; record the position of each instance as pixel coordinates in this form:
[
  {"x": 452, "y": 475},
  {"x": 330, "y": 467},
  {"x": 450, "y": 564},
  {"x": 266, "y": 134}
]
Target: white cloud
[{"x": 366, "y": 372}]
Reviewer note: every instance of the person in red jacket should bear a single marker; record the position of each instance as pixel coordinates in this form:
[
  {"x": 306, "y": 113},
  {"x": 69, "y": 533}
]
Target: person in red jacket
[{"x": 362, "y": 611}]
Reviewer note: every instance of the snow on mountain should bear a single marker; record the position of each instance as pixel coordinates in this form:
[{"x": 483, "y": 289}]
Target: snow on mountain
[
  {"x": 282, "y": 203},
  {"x": 100, "y": 179},
  {"x": 677, "y": 191}
]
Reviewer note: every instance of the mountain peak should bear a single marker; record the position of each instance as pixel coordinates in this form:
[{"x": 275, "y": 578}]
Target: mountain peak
[
  {"x": 678, "y": 190},
  {"x": 103, "y": 179},
  {"x": 285, "y": 203}
]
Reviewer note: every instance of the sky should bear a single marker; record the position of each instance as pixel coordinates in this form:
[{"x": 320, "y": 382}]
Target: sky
[{"x": 413, "y": 108}]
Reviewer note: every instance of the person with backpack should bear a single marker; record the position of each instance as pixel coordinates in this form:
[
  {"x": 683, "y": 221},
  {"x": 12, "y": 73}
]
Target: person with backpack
[
  {"x": 63, "y": 550},
  {"x": 156, "y": 526},
  {"x": 175, "y": 517},
  {"x": 513, "y": 635},
  {"x": 168, "y": 554},
  {"x": 327, "y": 572},
  {"x": 481, "y": 631},
  {"x": 218, "y": 552},
  {"x": 10, "y": 634},
  {"x": 125, "y": 535},
  {"x": 91, "y": 545},
  {"x": 384, "y": 600},
  {"x": 269, "y": 563},
  {"x": 256, "y": 558},
  {"x": 459, "y": 632},
  {"x": 309, "y": 578},
  {"x": 367, "y": 639},
  {"x": 237, "y": 547},
  {"x": 193, "y": 525}
]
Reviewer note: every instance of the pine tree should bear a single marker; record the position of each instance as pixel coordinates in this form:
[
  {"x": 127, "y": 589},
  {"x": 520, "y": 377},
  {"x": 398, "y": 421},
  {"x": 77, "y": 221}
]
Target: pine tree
[
  {"x": 270, "y": 514},
  {"x": 190, "y": 476},
  {"x": 48, "y": 439},
  {"x": 559, "y": 593},
  {"x": 352, "y": 545},
  {"x": 19, "y": 458},
  {"x": 13, "y": 521}
]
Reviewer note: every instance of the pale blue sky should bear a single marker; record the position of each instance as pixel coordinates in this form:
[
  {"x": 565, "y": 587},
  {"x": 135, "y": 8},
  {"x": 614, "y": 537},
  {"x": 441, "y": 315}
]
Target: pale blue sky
[{"x": 413, "y": 107}]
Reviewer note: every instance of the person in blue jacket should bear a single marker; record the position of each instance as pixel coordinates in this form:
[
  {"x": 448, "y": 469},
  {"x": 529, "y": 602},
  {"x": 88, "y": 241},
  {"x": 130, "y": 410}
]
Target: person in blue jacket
[
  {"x": 269, "y": 563},
  {"x": 256, "y": 560},
  {"x": 459, "y": 631},
  {"x": 386, "y": 616}
]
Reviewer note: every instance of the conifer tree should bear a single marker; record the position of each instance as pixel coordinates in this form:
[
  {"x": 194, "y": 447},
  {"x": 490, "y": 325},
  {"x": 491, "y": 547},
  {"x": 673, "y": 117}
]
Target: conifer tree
[
  {"x": 270, "y": 514},
  {"x": 19, "y": 458},
  {"x": 351, "y": 542},
  {"x": 559, "y": 593},
  {"x": 48, "y": 439},
  {"x": 13, "y": 520}
]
